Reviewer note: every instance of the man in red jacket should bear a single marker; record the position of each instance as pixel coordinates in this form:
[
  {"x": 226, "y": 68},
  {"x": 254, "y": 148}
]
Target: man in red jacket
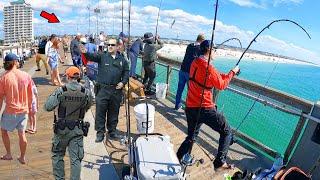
[{"x": 208, "y": 112}]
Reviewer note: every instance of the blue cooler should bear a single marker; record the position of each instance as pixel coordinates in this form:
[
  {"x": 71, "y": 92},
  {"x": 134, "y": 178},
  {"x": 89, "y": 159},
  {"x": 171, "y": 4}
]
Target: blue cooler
[{"x": 92, "y": 70}]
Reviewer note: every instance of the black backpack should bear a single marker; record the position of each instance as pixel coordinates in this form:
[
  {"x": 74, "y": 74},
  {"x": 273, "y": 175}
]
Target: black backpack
[{"x": 42, "y": 47}]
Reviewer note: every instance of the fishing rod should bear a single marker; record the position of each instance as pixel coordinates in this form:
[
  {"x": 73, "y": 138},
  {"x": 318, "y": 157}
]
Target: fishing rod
[
  {"x": 267, "y": 27},
  {"x": 158, "y": 20},
  {"x": 231, "y": 39},
  {"x": 188, "y": 155},
  {"x": 254, "y": 40},
  {"x": 122, "y": 16},
  {"x": 129, "y": 139}
]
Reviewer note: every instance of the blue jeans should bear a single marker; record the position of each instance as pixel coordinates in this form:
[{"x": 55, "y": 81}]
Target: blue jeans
[
  {"x": 77, "y": 61},
  {"x": 133, "y": 59},
  {"x": 183, "y": 79},
  {"x": 215, "y": 121}
]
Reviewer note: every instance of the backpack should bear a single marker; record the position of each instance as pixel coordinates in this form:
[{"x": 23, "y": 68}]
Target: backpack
[{"x": 42, "y": 47}]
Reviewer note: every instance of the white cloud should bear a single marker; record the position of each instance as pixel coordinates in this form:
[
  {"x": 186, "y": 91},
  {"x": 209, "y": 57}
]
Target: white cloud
[
  {"x": 264, "y": 3},
  {"x": 278, "y": 2},
  {"x": 247, "y": 3}
]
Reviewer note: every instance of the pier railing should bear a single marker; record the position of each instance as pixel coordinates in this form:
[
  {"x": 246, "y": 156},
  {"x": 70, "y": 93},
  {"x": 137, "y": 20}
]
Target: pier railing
[{"x": 279, "y": 101}]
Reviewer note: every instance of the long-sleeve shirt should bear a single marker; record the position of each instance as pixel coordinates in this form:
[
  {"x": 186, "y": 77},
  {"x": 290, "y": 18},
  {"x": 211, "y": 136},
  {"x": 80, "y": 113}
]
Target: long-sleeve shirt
[
  {"x": 136, "y": 47},
  {"x": 91, "y": 48},
  {"x": 192, "y": 52},
  {"x": 54, "y": 100},
  {"x": 150, "y": 51},
  {"x": 75, "y": 48},
  {"x": 16, "y": 90},
  {"x": 111, "y": 70},
  {"x": 196, "y": 83}
]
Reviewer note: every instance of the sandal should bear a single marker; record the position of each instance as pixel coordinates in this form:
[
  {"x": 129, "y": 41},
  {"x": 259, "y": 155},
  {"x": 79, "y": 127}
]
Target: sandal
[
  {"x": 21, "y": 161},
  {"x": 28, "y": 130},
  {"x": 6, "y": 158}
]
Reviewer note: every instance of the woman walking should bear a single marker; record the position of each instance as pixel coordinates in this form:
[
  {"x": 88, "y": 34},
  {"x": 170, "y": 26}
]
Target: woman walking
[{"x": 53, "y": 63}]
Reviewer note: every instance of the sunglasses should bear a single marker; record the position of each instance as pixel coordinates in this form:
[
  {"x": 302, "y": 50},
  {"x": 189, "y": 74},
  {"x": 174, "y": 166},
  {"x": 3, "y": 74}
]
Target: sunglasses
[{"x": 111, "y": 45}]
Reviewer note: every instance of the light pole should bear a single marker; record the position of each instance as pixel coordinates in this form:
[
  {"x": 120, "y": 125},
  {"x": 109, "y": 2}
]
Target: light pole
[
  {"x": 97, "y": 11},
  {"x": 89, "y": 19}
]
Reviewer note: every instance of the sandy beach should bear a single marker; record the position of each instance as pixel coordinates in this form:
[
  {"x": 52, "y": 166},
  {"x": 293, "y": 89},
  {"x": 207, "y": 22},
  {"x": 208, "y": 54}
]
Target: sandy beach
[{"x": 177, "y": 52}]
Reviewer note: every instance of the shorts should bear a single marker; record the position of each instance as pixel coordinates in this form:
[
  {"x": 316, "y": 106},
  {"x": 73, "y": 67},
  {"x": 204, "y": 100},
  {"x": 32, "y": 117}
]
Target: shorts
[
  {"x": 53, "y": 64},
  {"x": 10, "y": 122}
]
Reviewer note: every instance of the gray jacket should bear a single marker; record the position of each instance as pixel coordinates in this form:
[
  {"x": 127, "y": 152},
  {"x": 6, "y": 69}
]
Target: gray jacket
[{"x": 150, "y": 51}]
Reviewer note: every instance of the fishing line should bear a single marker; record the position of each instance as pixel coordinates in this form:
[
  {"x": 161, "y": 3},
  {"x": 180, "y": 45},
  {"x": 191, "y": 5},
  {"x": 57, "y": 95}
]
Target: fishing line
[{"x": 254, "y": 40}]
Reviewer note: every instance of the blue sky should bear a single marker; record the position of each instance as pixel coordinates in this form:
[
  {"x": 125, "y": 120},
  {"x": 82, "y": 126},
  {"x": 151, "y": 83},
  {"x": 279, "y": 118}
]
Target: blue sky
[{"x": 236, "y": 18}]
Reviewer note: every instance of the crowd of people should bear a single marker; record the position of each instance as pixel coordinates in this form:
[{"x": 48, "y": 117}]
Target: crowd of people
[{"x": 117, "y": 60}]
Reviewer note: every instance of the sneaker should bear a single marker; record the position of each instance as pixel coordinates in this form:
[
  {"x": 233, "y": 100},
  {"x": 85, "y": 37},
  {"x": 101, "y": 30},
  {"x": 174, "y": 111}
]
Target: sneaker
[
  {"x": 99, "y": 138},
  {"x": 38, "y": 69},
  {"x": 150, "y": 93},
  {"x": 115, "y": 136}
]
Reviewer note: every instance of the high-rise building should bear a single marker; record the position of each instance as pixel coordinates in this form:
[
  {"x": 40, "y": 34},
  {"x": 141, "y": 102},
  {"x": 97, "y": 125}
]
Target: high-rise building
[{"x": 18, "y": 27}]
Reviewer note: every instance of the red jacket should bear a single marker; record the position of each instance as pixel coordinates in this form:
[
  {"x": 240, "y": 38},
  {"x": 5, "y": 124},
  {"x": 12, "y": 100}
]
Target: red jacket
[{"x": 197, "y": 77}]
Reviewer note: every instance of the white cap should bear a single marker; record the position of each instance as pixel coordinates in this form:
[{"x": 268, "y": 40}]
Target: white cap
[
  {"x": 83, "y": 40},
  {"x": 78, "y": 34}
]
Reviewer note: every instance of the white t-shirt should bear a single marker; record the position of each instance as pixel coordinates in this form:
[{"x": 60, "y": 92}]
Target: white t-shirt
[{"x": 48, "y": 46}]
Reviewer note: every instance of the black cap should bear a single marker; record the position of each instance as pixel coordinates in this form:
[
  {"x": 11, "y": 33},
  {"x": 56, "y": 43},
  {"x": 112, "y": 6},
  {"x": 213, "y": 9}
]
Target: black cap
[
  {"x": 52, "y": 36},
  {"x": 204, "y": 46}
]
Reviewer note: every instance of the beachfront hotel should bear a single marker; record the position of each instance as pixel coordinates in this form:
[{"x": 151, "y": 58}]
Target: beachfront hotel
[{"x": 18, "y": 26}]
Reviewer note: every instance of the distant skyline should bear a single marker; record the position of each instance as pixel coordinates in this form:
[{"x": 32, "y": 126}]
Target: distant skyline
[{"x": 236, "y": 18}]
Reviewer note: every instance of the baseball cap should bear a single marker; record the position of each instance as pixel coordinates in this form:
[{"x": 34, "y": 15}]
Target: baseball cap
[
  {"x": 204, "y": 46},
  {"x": 83, "y": 40},
  {"x": 122, "y": 35},
  {"x": 11, "y": 57},
  {"x": 73, "y": 72}
]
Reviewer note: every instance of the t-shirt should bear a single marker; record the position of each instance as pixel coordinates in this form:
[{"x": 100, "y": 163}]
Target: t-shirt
[
  {"x": 48, "y": 47},
  {"x": 16, "y": 90}
]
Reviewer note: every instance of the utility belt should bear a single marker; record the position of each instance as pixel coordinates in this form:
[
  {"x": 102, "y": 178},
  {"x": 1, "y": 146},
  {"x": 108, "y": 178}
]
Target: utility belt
[
  {"x": 62, "y": 124},
  {"x": 98, "y": 86}
]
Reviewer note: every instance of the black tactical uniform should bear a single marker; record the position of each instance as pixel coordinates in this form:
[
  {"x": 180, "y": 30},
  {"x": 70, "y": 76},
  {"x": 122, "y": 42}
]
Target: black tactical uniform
[{"x": 111, "y": 71}]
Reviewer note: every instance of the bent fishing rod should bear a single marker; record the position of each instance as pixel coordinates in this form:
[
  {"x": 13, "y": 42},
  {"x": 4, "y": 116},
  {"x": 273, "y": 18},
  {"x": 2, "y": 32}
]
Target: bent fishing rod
[
  {"x": 267, "y": 27},
  {"x": 203, "y": 88},
  {"x": 254, "y": 40},
  {"x": 231, "y": 39}
]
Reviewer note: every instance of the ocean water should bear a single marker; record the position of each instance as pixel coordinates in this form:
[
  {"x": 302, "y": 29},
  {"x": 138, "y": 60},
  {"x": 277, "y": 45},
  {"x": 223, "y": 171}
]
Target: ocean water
[{"x": 268, "y": 126}]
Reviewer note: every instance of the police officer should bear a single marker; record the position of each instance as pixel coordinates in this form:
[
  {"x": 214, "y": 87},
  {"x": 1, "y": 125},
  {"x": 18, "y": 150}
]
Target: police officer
[
  {"x": 73, "y": 101},
  {"x": 113, "y": 74}
]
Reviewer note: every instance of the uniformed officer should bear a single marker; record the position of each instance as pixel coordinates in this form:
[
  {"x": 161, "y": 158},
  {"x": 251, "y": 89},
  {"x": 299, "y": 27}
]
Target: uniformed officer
[
  {"x": 73, "y": 101},
  {"x": 113, "y": 74}
]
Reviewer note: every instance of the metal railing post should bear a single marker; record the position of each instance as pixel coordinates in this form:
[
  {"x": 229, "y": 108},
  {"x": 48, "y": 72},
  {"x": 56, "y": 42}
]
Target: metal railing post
[
  {"x": 169, "y": 70},
  {"x": 294, "y": 138}
]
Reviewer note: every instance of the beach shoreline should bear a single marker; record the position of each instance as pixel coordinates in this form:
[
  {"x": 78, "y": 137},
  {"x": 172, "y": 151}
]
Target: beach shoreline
[{"x": 176, "y": 52}]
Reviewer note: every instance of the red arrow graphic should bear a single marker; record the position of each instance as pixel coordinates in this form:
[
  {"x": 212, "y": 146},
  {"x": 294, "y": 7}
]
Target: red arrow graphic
[{"x": 52, "y": 18}]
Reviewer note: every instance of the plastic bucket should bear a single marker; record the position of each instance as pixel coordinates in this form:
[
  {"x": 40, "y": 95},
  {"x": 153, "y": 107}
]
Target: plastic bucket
[
  {"x": 161, "y": 90},
  {"x": 140, "y": 111}
]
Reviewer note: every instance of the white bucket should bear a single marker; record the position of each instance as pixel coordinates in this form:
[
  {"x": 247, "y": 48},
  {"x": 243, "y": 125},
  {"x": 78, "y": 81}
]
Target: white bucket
[
  {"x": 161, "y": 90},
  {"x": 140, "y": 111}
]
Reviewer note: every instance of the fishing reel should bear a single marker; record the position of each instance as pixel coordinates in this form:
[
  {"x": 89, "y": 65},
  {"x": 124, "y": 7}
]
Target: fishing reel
[
  {"x": 188, "y": 160},
  {"x": 124, "y": 141}
]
